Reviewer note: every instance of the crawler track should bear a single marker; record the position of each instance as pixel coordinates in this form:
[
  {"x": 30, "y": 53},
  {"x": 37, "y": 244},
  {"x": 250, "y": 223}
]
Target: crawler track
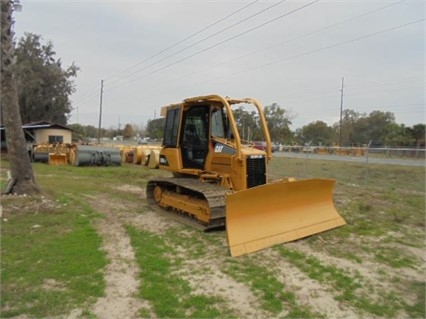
[{"x": 211, "y": 194}]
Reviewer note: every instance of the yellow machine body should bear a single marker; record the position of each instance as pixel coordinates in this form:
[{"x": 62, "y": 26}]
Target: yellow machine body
[{"x": 219, "y": 179}]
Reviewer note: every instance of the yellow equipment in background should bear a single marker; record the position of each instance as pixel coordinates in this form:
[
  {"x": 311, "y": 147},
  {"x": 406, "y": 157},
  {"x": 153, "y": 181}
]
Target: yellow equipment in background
[
  {"x": 219, "y": 180},
  {"x": 58, "y": 159}
]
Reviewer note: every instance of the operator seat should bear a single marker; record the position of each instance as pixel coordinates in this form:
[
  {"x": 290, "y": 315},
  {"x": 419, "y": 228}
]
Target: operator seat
[{"x": 191, "y": 136}]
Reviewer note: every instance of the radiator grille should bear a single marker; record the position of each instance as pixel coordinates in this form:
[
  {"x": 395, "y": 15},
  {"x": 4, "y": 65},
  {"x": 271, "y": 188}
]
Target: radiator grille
[{"x": 256, "y": 171}]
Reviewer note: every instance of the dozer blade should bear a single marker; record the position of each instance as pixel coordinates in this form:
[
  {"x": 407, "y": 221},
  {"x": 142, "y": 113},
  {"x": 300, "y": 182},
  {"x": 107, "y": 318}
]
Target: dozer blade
[{"x": 280, "y": 212}]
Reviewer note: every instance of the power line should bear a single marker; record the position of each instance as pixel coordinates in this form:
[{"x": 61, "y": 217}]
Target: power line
[
  {"x": 305, "y": 35},
  {"x": 340, "y": 43},
  {"x": 385, "y": 83},
  {"x": 329, "y": 90},
  {"x": 86, "y": 94},
  {"x": 88, "y": 98},
  {"x": 183, "y": 40},
  {"x": 317, "y": 50},
  {"x": 396, "y": 106},
  {"x": 218, "y": 43},
  {"x": 387, "y": 90},
  {"x": 92, "y": 93},
  {"x": 289, "y": 40},
  {"x": 204, "y": 39},
  {"x": 329, "y": 47},
  {"x": 317, "y": 31}
]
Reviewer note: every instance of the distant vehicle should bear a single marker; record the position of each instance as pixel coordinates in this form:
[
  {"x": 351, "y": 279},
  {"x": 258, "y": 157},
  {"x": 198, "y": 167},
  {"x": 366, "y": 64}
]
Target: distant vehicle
[
  {"x": 276, "y": 147},
  {"x": 261, "y": 145},
  {"x": 310, "y": 149},
  {"x": 142, "y": 141}
]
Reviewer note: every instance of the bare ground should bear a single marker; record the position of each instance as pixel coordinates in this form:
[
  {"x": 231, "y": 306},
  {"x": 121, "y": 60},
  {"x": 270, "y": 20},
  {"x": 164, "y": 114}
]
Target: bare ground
[{"x": 122, "y": 273}]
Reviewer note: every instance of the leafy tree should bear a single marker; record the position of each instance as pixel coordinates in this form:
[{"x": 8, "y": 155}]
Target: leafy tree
[
  {"x": 348, "y": 132},
  {"x": 360, "y": 128},
  {"x": 378, "y": 121},
  {"x": 77, "y": 131},
  {"x": 418, "y": 133},
  {"x": 397, "y": 135},
  {"x": 23, "y": 181},
  {"x": 44, "y": 86},
  {"x": 361, "y": 131},
  {"x": 128, "y": 131},
  {"x": 155, "y": 128},
  {"x": 318, "y": 132},
  {"x": 298, "y": 137},
  {"x": 247, "y": 124},
  {"x": 139, "y": 129},
  {"x": 278, "y": 123}
]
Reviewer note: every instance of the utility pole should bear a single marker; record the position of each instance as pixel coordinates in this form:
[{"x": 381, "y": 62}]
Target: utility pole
[
  {"x": 341, "y": 113},
  {"x": 100, "y": 112}
]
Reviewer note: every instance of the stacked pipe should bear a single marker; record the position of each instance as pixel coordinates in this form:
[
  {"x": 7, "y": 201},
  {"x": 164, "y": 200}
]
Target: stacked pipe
[{"x": 85, "y": 155}]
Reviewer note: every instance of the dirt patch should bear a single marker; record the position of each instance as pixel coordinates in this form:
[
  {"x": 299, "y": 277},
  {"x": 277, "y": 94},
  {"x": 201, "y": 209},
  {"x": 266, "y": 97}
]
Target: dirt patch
[
  {"x": 368, "y": 269},
  {"x": 308, "y": 292},
  {"x": 52, "y": 284},
  {"x": 204, "y": 275},
  {"x": 121, "y": 274},
  {"x": 132, "y": 189},
  {"x": 24, "y": 204},
  {"x": 238, "y": 296}
]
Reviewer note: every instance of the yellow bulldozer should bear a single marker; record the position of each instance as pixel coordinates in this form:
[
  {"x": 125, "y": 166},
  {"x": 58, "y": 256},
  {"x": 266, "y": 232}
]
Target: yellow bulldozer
[{"x": 219, "y": 180}]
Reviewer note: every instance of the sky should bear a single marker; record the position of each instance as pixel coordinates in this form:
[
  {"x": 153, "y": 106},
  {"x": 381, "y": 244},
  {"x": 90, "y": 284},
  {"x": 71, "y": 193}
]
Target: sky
[{"x": 294, "y": 53}]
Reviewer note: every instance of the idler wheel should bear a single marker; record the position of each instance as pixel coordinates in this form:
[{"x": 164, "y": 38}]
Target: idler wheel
[{"x": 158, "y": 193}]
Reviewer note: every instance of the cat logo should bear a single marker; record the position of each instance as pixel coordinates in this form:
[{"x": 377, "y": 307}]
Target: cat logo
[{"x": 218, "y": 148}]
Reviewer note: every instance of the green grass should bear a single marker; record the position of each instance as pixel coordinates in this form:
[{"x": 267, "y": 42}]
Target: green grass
[
  {"x": 271, "y": 292},
  {"x": 46, "y": 271},
  {"x": 347, "y": 285},
  {"x": 55, "y": 245},
  {"x": 49, "y": 240},
  {"x": 262, "y": 282},
  {"x": 169, "y": 294},
  {"x": 396, "y": 177}
]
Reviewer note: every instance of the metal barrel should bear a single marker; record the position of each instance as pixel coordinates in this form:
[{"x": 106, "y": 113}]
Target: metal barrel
[
  {"x": 86, "y": 155},
  {"x": 83, "y": 155},
  {"x": 111, "y": 156},
  {"x": 40, "y": 157}
]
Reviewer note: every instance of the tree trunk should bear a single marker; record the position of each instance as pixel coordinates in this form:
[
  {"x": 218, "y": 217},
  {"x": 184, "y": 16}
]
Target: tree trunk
[{"x": 20, "y": 165}]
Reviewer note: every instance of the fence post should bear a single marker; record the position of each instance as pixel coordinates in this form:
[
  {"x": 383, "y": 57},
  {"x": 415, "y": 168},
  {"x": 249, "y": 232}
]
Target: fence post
[
  {"x": 307, "y": 147},
  {"x": 366, "y": 163}
]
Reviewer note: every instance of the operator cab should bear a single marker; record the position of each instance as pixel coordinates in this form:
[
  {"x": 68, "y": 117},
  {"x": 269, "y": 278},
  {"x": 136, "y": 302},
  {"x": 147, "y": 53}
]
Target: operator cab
[
  {"x": 194, "y": 136},
  {"x": 199, "y": 124}
]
